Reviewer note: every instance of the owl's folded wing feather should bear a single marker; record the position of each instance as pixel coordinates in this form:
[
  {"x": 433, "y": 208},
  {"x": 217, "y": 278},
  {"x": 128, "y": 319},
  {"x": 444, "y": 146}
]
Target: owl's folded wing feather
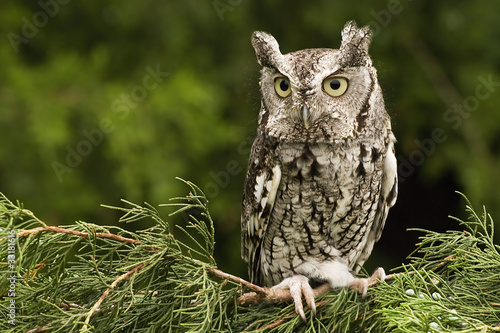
[
  {"x": 261, "y": 186},
  {"x": 387, "y": 198}
]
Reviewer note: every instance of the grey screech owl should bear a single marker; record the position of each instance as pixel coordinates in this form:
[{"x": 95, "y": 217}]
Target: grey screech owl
[{"x": 322, "y": 172}]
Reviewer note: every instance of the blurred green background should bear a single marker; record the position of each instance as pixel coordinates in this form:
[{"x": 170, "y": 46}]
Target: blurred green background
[{"x": 102, "y": 100}]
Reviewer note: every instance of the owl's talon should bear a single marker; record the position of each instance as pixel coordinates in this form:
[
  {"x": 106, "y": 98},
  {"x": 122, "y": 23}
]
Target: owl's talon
[
  {"x": 362, "y": 285},
  {"x": 300, "y": 309},
  {"x": 308, "y": 293},
  {"x": 379, "y": 274},
  {"x": 299, "y": 287}
]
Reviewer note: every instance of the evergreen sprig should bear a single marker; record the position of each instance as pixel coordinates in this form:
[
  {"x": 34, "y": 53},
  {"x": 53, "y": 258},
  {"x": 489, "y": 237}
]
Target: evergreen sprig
[{"x": 90, "y": 278}]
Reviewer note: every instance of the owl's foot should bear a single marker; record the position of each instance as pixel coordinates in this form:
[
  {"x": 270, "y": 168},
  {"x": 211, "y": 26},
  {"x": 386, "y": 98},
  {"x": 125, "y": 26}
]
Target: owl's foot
[
  {"x": 362, "y": 285},
  {"x": 293, "y": 288},
  {"x": 299, "y": 286}
]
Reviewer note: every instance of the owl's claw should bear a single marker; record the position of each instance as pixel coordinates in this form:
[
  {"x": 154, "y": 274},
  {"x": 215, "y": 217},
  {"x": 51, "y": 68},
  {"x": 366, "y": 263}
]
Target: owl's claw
[
  {"x": 362, "y": 285},
  {"x": 299, "y": 286}
]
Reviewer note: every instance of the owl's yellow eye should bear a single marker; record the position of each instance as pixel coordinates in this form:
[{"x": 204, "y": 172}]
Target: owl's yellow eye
[
  {"x": 282, "y": 86},
  {"x": 335, "y": 86}
]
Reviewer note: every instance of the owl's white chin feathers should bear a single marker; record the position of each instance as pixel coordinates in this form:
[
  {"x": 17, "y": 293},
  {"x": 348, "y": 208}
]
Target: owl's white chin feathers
[{"x": 305, "y": 116}]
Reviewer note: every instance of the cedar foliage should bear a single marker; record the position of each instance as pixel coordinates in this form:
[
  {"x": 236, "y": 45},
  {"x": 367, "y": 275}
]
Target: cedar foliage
[{"x": 90, "y": 278}]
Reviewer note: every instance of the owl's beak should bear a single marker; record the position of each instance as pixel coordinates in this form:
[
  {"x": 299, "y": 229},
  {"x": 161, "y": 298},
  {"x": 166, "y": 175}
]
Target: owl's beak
[{"x": 305, "y": 116}]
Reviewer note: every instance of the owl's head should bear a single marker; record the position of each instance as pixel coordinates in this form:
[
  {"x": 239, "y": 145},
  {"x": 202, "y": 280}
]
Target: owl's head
[{"x": 319, "y": 94}]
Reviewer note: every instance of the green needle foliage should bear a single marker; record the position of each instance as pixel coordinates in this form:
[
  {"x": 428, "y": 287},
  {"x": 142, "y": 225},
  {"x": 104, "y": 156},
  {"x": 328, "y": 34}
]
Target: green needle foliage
[{"x": 90, "y": 278}]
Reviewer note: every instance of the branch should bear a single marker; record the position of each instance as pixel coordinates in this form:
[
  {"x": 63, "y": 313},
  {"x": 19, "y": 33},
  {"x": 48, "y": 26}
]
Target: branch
[
  {"x": 39, "y": 330},
  {"x": 77, "y": 233},
  {"x": 265, "y": 295},
  {"x": 106, "y": 293},
  {"x": 261, "y": 295},
  {"x": 227, "y": 276},
  {"x": 283, "y": 295},
  {"x": 258, "y": 295}
]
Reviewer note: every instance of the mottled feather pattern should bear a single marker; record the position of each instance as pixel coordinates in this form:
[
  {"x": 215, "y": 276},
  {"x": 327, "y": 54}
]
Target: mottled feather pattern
[{"x": 317, "y": 190}]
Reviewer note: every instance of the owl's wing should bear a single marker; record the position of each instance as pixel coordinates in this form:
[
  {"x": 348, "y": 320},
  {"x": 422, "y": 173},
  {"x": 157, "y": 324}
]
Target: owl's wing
[
  {"x": 261, "y": 185},
  {"x": 387, "y": 199}
]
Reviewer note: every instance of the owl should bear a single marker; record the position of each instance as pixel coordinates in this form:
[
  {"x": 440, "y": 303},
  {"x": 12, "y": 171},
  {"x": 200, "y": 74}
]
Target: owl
[{"x": 322, "y": 171}]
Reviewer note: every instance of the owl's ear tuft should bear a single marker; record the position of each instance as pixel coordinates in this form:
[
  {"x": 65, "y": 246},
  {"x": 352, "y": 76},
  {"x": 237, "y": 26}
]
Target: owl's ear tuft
[
  {"x": 266, "y": 48},
  {"x": 355, "y": 44}
]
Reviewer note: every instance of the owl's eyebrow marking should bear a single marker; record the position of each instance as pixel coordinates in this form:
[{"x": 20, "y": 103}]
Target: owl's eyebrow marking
[
  {"x": 337, "y": 72},
  {"x": 277, "y": 73}
]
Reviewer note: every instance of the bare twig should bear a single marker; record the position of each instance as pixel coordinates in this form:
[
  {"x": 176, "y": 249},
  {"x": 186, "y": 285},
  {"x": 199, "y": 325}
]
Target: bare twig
[
  {"x": 275, "y": 324},
  {"x": 106, "y": 293},
  {"x": 77, "y": 233},
  {"x": 393, "y": 276},
  {"x": 227, "y": 276},
  {"x": 39, "y": 330}
]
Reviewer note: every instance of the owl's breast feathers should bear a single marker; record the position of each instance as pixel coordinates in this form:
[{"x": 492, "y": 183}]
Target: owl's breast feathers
[{"x": 318, "y": 201}]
